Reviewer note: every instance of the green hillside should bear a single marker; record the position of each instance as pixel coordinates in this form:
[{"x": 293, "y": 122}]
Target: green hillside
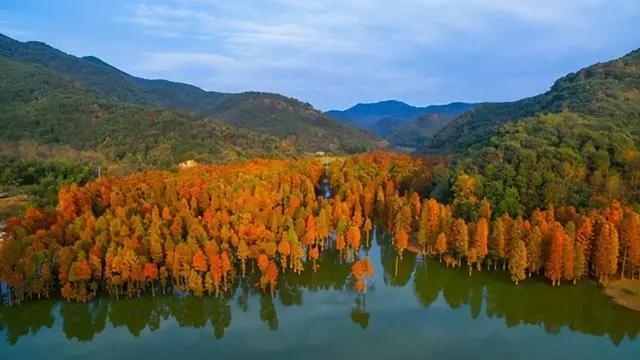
[
  {"x": 601, "y": 90},
  {"x": 416, "y": 132},
  {"x": 576, "y": 144},
  {"x": 283, "y": 117},
  {"x": 42, "y": 106},
  {"x": 293, "y": 120}
]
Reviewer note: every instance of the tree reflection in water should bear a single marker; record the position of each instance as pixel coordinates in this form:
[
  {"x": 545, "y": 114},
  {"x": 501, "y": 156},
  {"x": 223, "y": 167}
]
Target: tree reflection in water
[{"x": 581, "y": 308}]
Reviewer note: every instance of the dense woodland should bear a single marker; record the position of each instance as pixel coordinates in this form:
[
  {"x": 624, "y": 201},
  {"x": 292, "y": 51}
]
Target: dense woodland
[
  {"x": 204, "y": 229},
  {"x": 544, "y": 187},
  {"x": 576, "y": 144},
  {"x": 40, "y": 105},
  {"x": 170, "y": 119},
  {"x": 40, "y": 179}
]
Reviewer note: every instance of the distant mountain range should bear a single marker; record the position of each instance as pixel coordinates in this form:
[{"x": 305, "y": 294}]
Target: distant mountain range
[
  {"x": 285, "y": 118},
  {"x": 400, "y": 123}
]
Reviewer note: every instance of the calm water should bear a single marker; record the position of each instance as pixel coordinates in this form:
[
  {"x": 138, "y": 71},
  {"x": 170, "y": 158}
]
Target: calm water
[{"x": 427, "y": 311}]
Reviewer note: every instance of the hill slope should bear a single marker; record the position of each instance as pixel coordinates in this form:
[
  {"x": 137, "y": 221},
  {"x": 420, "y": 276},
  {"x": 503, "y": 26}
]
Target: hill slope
[
  {"x": 39, "y": 105},
  {"x": 270, "y": 113},
  {"x": 577, "y": 144},
  {"x": 414, "y": 133},
  {"x": 601, "y": 90}
]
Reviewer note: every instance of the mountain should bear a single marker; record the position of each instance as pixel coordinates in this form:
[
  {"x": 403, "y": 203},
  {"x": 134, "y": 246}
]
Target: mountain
[
  {"x": 274, "y": 114},
  {"x": 414, "y": 133},
  {"x": 401, "y": 124},
  {"x": 602, "y": 90},
  {"x": 576, "y": 144},
  {"x": 44, "y": 107},
  {"x": 370, "y": 115},
  {"x": 365, "y": 115}
]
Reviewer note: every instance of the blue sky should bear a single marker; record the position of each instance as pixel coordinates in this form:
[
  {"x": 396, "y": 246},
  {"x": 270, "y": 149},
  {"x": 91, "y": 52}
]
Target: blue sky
[{"x": 334, "y": 53}]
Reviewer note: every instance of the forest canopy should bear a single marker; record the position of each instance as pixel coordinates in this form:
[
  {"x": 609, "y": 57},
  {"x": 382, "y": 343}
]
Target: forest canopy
[{"x": 204, "y": 229}]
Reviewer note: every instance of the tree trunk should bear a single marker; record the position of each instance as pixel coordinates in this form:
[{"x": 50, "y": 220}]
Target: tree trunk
[
  {"x": 624, "y": 262},
  {"x": 396, "y": 272}
]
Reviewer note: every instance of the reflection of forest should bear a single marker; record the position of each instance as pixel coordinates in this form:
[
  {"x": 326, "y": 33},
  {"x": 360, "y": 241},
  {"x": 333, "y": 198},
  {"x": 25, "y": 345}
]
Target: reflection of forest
[{"x": 581, "y": 308}]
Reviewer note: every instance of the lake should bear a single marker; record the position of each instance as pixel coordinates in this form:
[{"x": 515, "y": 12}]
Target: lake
[{"x": 427, "y": 311}]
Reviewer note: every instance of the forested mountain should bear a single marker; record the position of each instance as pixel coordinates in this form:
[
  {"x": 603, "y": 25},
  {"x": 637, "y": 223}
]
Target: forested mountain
[
  {"x": 606, "y": 90},
  {"x": 416, "y": 132},
  {"x": 576, "y": 144},
  {"x": 365, "y": 115},
  {"x": 385, "y": 116},
  {"x": 399, "y": 123},
  {"x": 42, "y": 106},
  {"x": 274, "y": 114}
]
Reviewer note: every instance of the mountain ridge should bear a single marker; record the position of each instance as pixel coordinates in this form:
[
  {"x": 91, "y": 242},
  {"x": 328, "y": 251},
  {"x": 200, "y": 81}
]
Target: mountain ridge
[
  {"x": 365, "y": 114},
  {"x": 401, "y": 124},
  {"x": 313, "y": 130},
  {"x": 44, "y": 107},
  {"x": 576, "y": 144},
  {"x": 584, "y": 91}
]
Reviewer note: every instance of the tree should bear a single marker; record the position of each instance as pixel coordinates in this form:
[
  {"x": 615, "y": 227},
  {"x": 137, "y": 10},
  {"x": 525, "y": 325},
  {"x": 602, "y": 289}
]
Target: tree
[
  {"x": 199, "y": 262},
  {"x": 584, "y": 235},
  {"x": 465, "y": 199},
  {"x": 441, "y": 245},
  {"x": 423, "y": 228},
  {"x": 340, "y": 244},
  {"x": 606, "y": 251},
  {"x": 568, "y": 259},
  {"x": 401, "y": 243},
  {"x": 629, "y": 236},
  {"x": 195, "y": 283},
  {"x": 311, "y": 230},
  {"x": 284, "y": 249},
  {"x": 360, "y": 270},
  {"x": 151, "y": 274},
  {"x": 535, "y": 260},
  {"x": 460, "y": 238},
  {"x": 402, "y": 220},
  {"x": 580, "y": 264},
  {"x": 553, "y": 266},
  {"x": 243, "y": 253},
  {"x": 518, "y": 261},
  {"x": 433, "y": 220},
  {"x": 314, "y": 254},
  {"x": 485, "y": 210},
  {"x": 368, "y": 226},
  {"x": 480, "y": 240},
  {"x": 353, "y": 238},
  {"x": 497, "y": 244}
]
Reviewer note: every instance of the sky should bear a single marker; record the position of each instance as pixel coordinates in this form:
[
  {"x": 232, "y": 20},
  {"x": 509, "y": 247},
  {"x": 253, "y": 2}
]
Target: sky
[{"x": 335, "y": 53}]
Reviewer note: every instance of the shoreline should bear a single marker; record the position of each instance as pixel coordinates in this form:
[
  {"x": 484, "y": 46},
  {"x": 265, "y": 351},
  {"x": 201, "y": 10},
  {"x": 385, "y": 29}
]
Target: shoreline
[{"x": 624, "y": 292}]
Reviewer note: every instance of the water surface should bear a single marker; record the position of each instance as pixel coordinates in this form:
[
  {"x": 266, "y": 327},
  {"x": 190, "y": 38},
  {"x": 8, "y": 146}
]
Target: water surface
[{"x": 427, "y": 311}]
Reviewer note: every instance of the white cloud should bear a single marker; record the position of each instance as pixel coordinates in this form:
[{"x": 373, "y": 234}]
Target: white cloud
[
  {"x": 366, "y": 45},
  {"x": 171, "y": 60}
]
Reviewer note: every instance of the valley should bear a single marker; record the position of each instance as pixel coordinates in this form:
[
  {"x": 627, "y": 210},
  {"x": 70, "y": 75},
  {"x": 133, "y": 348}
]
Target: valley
[{"x": 144, "y": 215}]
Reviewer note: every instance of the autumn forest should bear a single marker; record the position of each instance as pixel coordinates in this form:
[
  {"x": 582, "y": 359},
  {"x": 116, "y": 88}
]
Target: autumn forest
[
  {"x": 203, "y": 229},
  {"x": 319, "y": 180}
]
